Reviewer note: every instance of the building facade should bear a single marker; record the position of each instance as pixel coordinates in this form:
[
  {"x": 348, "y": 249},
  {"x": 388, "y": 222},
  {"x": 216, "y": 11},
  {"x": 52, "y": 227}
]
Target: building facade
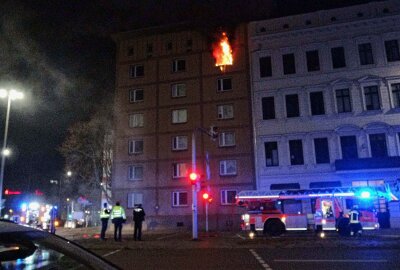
[
  {"x": 326, "y": 98},
  {"x": 168, "y": 88}
]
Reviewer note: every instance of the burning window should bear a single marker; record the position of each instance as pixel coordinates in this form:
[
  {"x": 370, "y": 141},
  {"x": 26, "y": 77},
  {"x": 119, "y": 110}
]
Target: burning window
[{"x": 222, "y": 52}]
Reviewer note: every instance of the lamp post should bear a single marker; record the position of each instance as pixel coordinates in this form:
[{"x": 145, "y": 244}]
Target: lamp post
[{"x": 10, "y": 95}]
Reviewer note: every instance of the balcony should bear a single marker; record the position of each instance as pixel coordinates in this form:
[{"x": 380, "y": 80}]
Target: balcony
[{"x": 367, "y": 163}]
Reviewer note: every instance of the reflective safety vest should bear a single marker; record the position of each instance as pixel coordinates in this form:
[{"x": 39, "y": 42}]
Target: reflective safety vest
[
  {"x": 105, "y": 213},
  {"x": 354, "y": 216},
  {"x": 118, "y": 212}
]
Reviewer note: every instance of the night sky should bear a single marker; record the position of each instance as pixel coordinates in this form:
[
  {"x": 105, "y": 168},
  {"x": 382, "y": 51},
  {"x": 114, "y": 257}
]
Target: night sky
[{"x": 60, "y": 54}]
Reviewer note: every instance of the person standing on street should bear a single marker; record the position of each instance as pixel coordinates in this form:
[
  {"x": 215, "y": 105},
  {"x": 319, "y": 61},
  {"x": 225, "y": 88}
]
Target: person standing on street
[
  {"x": 138, "y": 218},
  {"x": 104, "y": 217},
  {"x": 118, "y": 217},
  {"x": 355, "y": 225}
]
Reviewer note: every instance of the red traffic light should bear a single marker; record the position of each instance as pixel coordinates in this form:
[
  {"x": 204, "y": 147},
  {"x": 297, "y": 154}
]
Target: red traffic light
[
  {"x": 206, "y": 196},
  {"x": 193, "y": 177}
]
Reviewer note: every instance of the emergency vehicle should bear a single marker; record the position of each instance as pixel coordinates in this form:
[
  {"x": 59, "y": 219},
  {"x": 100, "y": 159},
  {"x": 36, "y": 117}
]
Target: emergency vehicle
[
  {"x": 274, "y": 212},
  {"x": 36, "y": 215}
]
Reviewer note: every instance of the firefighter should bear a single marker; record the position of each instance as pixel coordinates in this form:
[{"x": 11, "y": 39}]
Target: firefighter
[
  {"x": 138, "y": 218},
  {"x": 354, "y": 221},
  {"x": 118, "y": 217},
  {"x": 104, "y": 217}
]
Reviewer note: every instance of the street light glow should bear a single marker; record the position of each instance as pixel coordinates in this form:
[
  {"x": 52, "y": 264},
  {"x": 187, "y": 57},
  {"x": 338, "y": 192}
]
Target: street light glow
[
  {"x": 6, "y": 152},
  {"x": 3, "y": 93},
  {"x": 69, "y": 173}
]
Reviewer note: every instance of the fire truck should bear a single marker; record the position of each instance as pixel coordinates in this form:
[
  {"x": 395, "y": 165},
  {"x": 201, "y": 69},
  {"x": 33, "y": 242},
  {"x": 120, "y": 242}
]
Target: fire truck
[{"x": 274, "y": 212}]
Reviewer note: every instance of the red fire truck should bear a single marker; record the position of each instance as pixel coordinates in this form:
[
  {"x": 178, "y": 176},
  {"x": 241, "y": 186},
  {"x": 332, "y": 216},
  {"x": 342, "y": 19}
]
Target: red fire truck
[{"x": 274, "y": 212}]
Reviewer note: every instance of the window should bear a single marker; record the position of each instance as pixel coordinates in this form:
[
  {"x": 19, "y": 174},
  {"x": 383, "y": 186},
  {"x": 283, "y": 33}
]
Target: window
[
  {"x": 178, "y": 65},
  {"x": 135, "y": 172},
  {"x": 134, "y": 198},
  {"x": 135, "y": 146},
  {"x": 378, "y": 145},
  {"x": 225, "y": 111},
  {"x": 296, "y": 152},
  {"x": 317, "y": 103},
  {"x": 226, "y": 139},
  {"x": 343, "y": 100},
  {"x": 271, "y": 154},
  {"x": 130, "y": 51},
  {"x": 365, "y": 53},
  {"x": 338, "y": 58},
  {"x": 136, "y": 95},
  {"x": 265, "y": 66},
  {"x": 392, "y": 50},
  {"x": 312, "y": 60},
  {"x": 179, "y": 143},
  {"x": 321, "y": 150},
  {"x": 179, "y": 116},
  {"x": 178, "y": 90},
  {"x": 349, "y": 147},
  {"x": 136, "y": 120},
  {"x": 289, "y": 65},
  {"x": 371, "y": 98},
  {"x": 228, "y": 197},
  {"x": 292, "y": 105},
  {"x": 268, "y": 108},
  {"x": 227, "y": 167},
  {"x": 396, "y": 95},
  {"x": 224, "y": 84},
  {"x": 179, "y": 198},
  {"x": 179, "y": 170},
  {"x": 149, "y": 49},
  {"x": 136, "y": 71}
]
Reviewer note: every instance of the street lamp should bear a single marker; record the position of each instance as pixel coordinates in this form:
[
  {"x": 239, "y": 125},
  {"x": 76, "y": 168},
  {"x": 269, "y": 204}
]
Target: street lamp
[{"x": 10, "y": 95}]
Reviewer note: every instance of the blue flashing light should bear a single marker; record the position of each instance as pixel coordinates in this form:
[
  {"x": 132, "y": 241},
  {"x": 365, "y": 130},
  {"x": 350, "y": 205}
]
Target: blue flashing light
[
  {"x": 23, "y": 206},
  {"x": 365, "y": 194}
]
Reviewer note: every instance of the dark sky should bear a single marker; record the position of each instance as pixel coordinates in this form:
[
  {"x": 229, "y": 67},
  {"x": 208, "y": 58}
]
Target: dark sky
[{"x": 60, "y": 54}]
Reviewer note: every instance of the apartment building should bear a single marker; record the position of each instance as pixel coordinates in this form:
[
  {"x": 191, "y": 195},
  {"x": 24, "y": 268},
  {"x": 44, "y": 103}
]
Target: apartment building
[
  {"x": 168, "y": 87},
  {"x": 326, "y": 98}
]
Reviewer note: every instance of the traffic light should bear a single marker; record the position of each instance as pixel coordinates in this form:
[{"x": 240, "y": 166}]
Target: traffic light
[
  {"x": 207, "y": 197},
  {"x": 193, "y": 177}
]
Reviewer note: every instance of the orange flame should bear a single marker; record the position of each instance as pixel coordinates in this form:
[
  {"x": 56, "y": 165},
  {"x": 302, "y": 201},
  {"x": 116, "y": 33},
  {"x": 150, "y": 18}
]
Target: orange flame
[{"x": 223, "y": 53}]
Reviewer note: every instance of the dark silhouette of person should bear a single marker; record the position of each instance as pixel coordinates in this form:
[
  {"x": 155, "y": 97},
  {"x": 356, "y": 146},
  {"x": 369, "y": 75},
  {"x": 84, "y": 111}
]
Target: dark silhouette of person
[
  {"x": 104, "y": 217},
  {"x": 138, "y": 218}
]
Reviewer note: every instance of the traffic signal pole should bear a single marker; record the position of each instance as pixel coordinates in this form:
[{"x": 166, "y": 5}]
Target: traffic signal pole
[{"x": 194, "y": 190}]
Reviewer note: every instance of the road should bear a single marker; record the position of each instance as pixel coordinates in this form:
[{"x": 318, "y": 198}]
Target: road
[{"x": 236, "y": 251}]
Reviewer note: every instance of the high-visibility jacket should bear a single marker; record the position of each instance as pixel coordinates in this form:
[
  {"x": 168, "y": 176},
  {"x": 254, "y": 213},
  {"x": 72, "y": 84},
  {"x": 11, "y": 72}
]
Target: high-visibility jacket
[
  {"x": 118, "y": 212},
  {"x": 105, "y": 213},
  {"x": 354, "y": 216}
]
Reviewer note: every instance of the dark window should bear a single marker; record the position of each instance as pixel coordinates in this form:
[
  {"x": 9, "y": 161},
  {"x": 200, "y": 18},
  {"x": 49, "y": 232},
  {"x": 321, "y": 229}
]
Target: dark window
[
  {"x": 271, "y": 154},
  {"x": 312, "y": 60},
  {"x": 328, "y": 184},
  {"x": 365, "y": 53},
  {"x": 321, "y": 150},
  {"x": 169, "y": 46},
  {"x": 392, "y": 50},
  {"x": 296, "y": 152},
  {"x": 396, "y": 95},
  {"x": 343, "y": 100},
  {"x": 289, "y": 66},
  {"x": 371, "y": 98},
  {"x": 178, "y": 65},
  {"x": 285, "y": 186},
  {"x": 265, "y": 66},
  {"x": 268, "y": 108},
  {"x": 292, "y": 106},
  {"x": 149, "y": 48},
  {"x": 130, "y": 51},
  {"x": 349, "y": 147},
  {"x": 338, "y": 58},
  {"x": 378, "y": 145},
  {"x": 224, "y": 84},
  {"x": 317, "y": 103},
  {"x": 136, "y": 71}
]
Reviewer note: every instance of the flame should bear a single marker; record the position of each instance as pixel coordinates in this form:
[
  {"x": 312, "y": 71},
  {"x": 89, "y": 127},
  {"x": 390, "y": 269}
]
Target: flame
[{"x": 223, "y": 53}]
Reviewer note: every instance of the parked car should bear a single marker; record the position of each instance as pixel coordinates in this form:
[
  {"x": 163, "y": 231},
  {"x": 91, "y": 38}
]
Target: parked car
[{"x": 23, "y": 247}]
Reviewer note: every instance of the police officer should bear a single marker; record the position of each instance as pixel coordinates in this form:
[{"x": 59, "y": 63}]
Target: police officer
[
  {"x": 138, "y": 218},
  {"x": 118, "y": 217},
  {"x": 354, "y": 221},
  {"x": 104, "y": 216}
]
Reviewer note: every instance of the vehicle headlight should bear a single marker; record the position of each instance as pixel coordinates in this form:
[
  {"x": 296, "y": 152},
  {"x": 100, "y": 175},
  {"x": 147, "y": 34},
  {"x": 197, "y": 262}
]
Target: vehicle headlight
[
  {"x": 323, "y": 221},
  {"x": 246, "y": 217},
  {"x": 283, "y": 219}
]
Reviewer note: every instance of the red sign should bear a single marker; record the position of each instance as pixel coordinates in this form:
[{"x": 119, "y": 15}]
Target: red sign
[{"x": 12, "y": 192}]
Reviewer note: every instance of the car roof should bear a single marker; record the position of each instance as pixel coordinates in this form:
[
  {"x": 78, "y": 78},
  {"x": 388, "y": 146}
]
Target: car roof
[{"x": 7, "y": 226}]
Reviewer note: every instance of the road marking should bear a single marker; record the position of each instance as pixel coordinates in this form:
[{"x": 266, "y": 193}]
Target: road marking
[
  {"x": 112, "y": 252},
  {"x": 340, "y": 261},
  {"x": 241, "y": 237},
  {"x": 260, "y": 260},
  {"x": 167, "y": 236}
]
